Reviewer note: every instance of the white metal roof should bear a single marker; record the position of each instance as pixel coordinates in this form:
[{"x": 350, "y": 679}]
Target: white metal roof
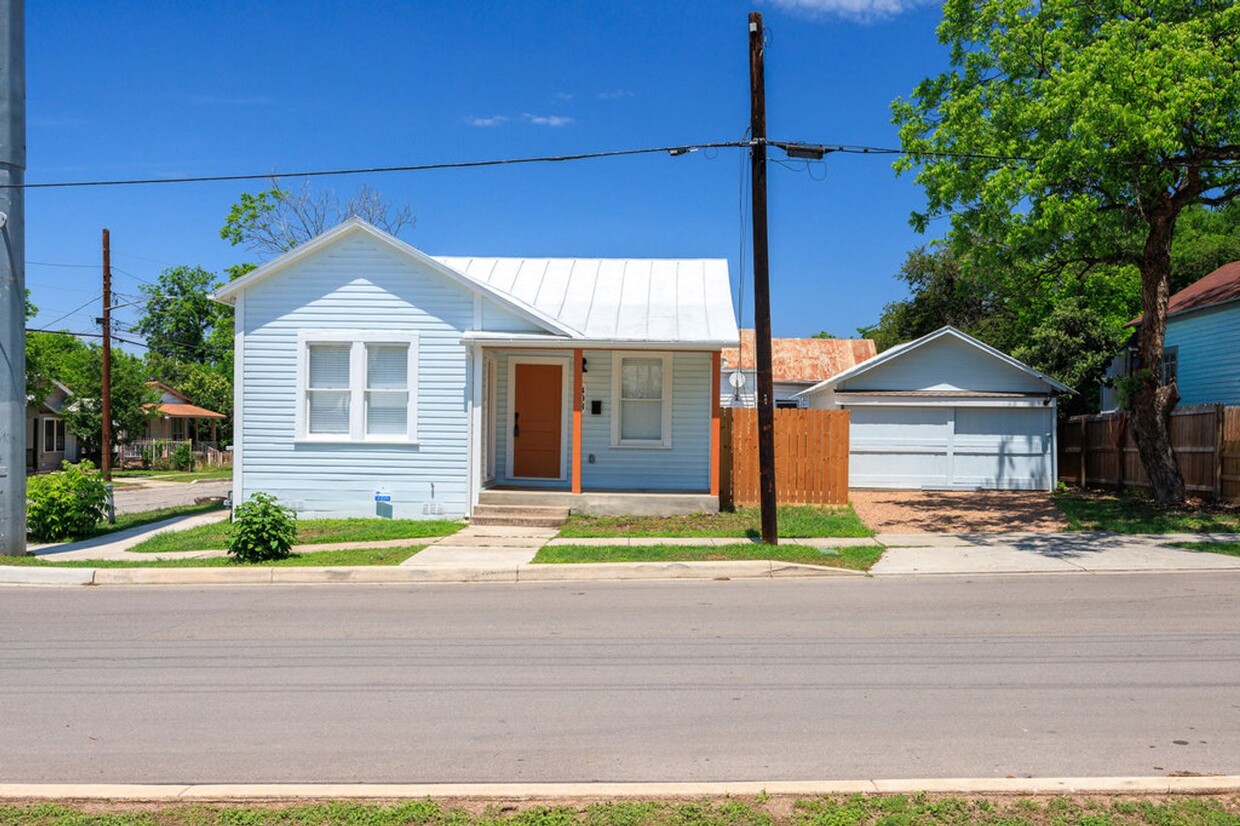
[{"x": 617, "y": 299}]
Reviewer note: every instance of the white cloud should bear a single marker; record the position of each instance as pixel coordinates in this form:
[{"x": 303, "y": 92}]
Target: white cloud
[
  {"x": 537, "y": 120},
  {"x": 564, "y": 95},
  {"x": 863, "y": 10},
  {"x": 615, "y": 94},
  {"x": 547, "y": 120}
]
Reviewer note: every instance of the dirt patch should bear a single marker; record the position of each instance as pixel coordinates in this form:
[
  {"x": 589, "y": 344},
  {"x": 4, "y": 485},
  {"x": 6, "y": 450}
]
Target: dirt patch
[{"x": 929, "y": 511}]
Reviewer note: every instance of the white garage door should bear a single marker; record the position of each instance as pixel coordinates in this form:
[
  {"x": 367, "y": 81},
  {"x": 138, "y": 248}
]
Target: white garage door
[{"x": 950, "y": 448}]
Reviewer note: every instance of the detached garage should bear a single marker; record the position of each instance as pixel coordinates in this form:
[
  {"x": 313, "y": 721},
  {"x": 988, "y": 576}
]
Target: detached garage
[{"x": 946, "y": 412}]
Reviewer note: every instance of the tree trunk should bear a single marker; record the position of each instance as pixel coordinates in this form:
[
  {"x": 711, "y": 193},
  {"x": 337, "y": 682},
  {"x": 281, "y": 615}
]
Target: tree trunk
[{"x": 1152, "y": 401}]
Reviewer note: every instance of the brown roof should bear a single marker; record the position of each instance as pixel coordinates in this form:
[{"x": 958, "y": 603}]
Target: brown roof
[
  {"x": 188, "y": 411},
  {"x": 802, "y": 359},
  {"x": 1218, "y": 287}
]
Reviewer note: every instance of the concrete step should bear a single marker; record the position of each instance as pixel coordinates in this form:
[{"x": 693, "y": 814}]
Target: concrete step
[
  {"x": 520, "y": 510},
  {"x": 519, "y": 521}
]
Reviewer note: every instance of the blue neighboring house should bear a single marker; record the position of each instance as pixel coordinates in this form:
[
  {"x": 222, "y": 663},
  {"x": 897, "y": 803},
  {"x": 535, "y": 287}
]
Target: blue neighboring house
[{"x": 1202, "y": 349}]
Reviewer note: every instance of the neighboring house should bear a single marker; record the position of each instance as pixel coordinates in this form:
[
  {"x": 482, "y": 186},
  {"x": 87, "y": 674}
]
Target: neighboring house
[
  {"x": 48, "y": 442},
  {"x": 946, "y": 412},
  {"x": 373, "y": 378},
  {"x": 1201, "y": 352},
  {"x": 796, "y": 364},
  {"x": 175, "y": 418}
]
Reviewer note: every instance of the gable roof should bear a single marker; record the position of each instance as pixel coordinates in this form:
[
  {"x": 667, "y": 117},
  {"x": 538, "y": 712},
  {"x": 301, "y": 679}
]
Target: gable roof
[
  {"x": 801, "y": 359},
  {"x": 617, "y": 299},
  {"x": 353, "y": 226},
  {"x": 1219, "y": 287},
  {"x": 182, "y": 409},
  {"x": 909, "y": 346},
  {"x": 677, "y": 301}
]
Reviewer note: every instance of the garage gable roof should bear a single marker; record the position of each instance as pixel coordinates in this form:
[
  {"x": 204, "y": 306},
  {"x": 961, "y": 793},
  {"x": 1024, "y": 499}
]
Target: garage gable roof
[{"x": 904, "y": 350}]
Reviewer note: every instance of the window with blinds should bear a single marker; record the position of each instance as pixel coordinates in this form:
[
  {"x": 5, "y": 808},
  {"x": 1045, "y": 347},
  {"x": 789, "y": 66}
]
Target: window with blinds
[
  {"x": 387, "y": 389},
  {"x": 358, "y": 387},
  {"x": 327, "y": 388},
  {"x": 641, "y": 388}
]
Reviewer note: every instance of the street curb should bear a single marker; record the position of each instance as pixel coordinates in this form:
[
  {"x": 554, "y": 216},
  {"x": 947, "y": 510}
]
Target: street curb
[
  {"x": 390, "y": 791},
  {"x": 402, "y": 575}
]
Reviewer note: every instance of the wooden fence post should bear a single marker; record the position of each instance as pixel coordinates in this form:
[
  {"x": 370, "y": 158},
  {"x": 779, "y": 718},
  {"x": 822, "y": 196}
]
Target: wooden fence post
[
  {"x": 1083, "y": 451},
  {"x": 1220, "y": 416},
  {"x": 1121, "y": 451}
]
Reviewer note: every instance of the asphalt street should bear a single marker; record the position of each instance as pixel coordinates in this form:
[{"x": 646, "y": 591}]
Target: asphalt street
[{"x": 759, "y": 680}]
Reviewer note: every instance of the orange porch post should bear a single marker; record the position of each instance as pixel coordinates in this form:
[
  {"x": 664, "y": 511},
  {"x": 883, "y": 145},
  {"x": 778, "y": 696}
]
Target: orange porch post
[
  {"x": 578, "y": 392},
  {"x": 716, "y": 367}
]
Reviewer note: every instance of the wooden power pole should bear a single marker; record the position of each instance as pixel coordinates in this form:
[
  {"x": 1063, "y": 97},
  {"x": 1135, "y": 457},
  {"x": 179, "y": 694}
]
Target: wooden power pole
[
  {"x": 761, "y": 284},
  {"x": 105, "y": 457}
]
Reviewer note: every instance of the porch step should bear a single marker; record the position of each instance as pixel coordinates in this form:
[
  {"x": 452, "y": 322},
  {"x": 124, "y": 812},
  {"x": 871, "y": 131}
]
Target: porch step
[{"x": 526, "y": 516}]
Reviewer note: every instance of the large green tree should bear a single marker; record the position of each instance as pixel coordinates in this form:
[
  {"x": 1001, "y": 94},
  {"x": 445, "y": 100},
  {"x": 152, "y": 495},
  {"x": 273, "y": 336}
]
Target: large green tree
[
  {"x": 1076, "y": 134},
  {"x": 132, "y": 399},
  {"x": 178, "y": 318}
]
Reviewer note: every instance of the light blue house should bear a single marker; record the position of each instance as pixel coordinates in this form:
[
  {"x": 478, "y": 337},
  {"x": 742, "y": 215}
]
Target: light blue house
[
  {"x": 1201, "y": 352},
  {"x": 373, "y": 379}
]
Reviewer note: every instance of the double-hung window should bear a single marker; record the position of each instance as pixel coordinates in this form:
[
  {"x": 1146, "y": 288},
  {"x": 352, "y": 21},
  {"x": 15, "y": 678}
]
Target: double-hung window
[
  {"x": 53, "y": 435},
  {"x": 357, "y": 387},
  {"x": 642, "y": 400}
]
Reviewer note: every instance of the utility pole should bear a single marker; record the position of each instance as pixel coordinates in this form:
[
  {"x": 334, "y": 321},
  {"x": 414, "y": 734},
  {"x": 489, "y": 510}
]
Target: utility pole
[
  {"x": 13, "y": 429},
  {"x": 105, "y": 456},
  {"x": 761, "y": 284}
]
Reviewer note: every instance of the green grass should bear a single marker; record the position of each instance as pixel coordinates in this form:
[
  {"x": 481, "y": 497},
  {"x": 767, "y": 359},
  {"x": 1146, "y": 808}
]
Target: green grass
[
  {"x": 1228, "y": 548},
  {"x": 794, "y": 521},
  {"x": 858, "y": 810},
  {"x": 214, "y": 537},
  {"x": 317, "y": 559},
  {"x": 855, "y": 558},
  {"x": 138, "y": 518},
  {"x": 174, "y": 475},
  {"x": 1134, "y": 514}
]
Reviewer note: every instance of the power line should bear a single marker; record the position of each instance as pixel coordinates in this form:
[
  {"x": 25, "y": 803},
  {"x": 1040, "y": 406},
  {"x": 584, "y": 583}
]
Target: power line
[
  {"x": 59, "y": 264},
  {"x": 679, "y": 149},
  {"x": 75, "y": 310}
]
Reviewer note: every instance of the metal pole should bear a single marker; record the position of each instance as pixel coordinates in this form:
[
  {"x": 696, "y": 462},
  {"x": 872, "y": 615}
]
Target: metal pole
[
  {"x": 105, "y": 455},
  {"x": 761, "y": 285},
  {"x": 13, "y": 429}
]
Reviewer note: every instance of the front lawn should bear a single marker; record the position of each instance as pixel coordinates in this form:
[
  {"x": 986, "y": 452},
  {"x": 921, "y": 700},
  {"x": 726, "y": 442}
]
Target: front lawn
[
  {"x": 214, "y": 537},
  {"x": 794, "y": 521},
  {"x": 853, "y": 558},
  {"x": 855, "y": 810},
  {"x": 138, "y": 518},
  {"x": 1134, "y": 514},
  {"x": 317, "y": 559},
  {"x": 175, "y": 475},
  {"x": 1228, "y": 548}
]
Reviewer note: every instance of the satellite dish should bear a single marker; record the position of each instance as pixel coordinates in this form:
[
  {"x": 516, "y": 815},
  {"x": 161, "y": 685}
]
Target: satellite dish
[{"x": 737, "y": 379}]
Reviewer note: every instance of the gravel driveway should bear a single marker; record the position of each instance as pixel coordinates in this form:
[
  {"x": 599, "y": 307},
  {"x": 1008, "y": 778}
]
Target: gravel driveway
[
  {"x": 153, "y": 495},
  {"x": 931, "y": 511}
]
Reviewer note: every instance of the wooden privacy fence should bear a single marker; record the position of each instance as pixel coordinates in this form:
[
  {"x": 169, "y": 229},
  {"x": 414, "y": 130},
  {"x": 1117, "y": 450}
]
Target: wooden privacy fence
[
  {"x": 811, "y": 457},
  {"x": 1100, "y": 450}
]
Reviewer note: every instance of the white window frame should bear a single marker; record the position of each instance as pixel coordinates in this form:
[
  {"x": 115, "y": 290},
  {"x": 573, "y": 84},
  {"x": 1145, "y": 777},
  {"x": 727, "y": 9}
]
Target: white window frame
[
  {"x": 617, "y": 363},
  {"x": 58, "y": 430},
  {"x": 358, "y": 341}
]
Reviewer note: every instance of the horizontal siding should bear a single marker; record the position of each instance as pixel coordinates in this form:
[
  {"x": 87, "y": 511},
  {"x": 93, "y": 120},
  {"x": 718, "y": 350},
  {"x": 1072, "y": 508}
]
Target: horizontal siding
[
  {"x": 946, "y": 364},
  {"x": 1209, "y": 355},
  {"x": 356, "y": 284},
  {"x": 683, "y": 467}
]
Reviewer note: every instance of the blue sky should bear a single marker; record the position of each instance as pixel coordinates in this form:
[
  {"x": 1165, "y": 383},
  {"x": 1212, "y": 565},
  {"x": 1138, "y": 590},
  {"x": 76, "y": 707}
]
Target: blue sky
[{"x": 168, "y": 89}]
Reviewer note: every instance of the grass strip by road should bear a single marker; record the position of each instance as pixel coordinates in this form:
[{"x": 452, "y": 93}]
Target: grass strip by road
[
  {"x": 858, "y": 810},
  {"x": 1135, "y": 514},
  {"x": 214, "y": 537},
  {"x": 1228, "y": 548},
  {"x": 854, "y": 558},
  {"x": 795, "y": 521},
  {"x": 316, "y": 559},
  {"x": 175, "y": 475}
]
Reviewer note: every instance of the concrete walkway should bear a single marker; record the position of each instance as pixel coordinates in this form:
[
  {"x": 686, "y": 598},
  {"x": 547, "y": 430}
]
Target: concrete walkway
[
  {"x": 116, "y": 545},
  {"x": 483, "y": 546}
]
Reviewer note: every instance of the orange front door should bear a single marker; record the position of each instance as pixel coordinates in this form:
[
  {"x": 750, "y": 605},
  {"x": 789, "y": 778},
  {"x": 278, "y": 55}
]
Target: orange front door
[{"x": 537, "y": 421}]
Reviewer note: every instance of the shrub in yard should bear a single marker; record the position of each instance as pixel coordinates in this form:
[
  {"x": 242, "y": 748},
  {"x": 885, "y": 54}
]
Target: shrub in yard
[
  {"x": 263, "y": 529},
  {"x": 66, "y": 503},
  {"x": 183, "y": 457}
]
